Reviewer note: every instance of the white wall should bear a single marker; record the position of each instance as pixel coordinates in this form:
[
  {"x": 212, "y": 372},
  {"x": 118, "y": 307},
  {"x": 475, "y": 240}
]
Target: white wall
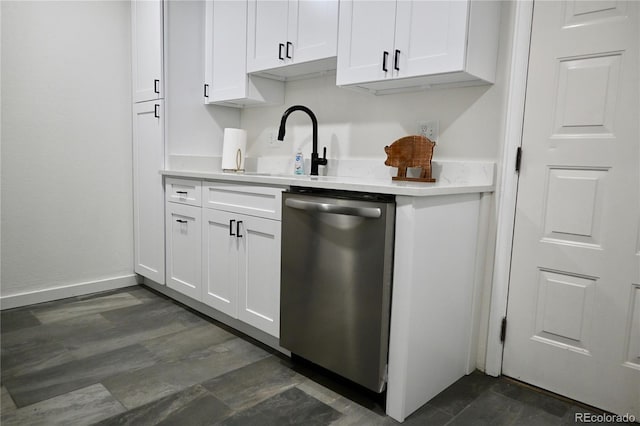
[
  {"x": 359, "y": 125},
  {"x": 66, "y": 144}
]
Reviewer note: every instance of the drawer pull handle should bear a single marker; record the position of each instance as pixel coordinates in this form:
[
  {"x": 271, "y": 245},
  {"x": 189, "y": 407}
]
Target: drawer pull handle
[
  {"x": 182, "y": 192},
  {"x": 231, "y": 227},
  {"x": 238, "y": 229},
  {"x": 181, "y": 221}
]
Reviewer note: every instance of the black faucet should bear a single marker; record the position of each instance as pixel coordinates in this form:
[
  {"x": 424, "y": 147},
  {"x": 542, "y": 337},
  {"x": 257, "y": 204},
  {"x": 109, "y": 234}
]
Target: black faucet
[{"x": 315, "y": 158}]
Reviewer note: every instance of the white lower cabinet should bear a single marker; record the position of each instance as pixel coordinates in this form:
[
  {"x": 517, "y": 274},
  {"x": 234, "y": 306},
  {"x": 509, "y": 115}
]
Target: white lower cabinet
[
  {"x": 259, "y": 274},
  {"x": 222, "y": 256},
  {"x": 241, "y": 268},
  {"x": 220, "y": 262},
  {"x": 183, "y": 234}
]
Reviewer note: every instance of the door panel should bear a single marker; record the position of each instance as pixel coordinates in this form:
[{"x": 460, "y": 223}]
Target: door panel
[
  {"x": 148, "y": 191},
  {"x": 367, "y": 30},
  {"x": 314, "y": 29},
  {"x": 229, "y": 58},
  {"x": 267, "y": 29},
  {"x": 219, "y": 261},
  {"x": 147, "y": 49},
  {"x": 184, "y": 234},
  {"x": 575, "y": 270},
  {"x": 431, "y": 38},
  {"x": 259, "y": 279}
]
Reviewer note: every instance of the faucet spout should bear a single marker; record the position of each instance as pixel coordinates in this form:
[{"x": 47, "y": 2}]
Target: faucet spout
[{"x": 315, "y": 158}]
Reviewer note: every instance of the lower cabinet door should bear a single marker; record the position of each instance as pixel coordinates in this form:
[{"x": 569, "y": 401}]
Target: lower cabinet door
[
  {"x": 220, "y": 261},
  {"x": 184, "y": 233},
  {"x": 259, "y": 273}
]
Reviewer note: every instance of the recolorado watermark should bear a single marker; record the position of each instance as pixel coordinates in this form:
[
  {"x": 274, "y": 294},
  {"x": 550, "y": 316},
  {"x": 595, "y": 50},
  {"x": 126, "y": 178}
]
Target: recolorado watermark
[{"x": 604, "y": 418}]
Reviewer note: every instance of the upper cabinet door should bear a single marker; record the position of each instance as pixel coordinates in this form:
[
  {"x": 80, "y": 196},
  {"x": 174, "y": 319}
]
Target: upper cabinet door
[
  {"x": 229, "y": 40},
  {"x": 365, "y": 46},
  {"x": 267, "y": 40},
  {"x": 146, "y": 16},
  {"x": 431, "y": 37},
  {"x": 313, "y": 29}
]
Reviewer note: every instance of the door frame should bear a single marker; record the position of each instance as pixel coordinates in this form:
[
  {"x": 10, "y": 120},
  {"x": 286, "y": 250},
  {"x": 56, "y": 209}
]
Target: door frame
[{"x": 508, "y": 184}]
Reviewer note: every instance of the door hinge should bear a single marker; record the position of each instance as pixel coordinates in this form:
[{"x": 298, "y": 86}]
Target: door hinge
[
  {"x": 503, "y": 329},
  {"x": 518, "y": 159}
]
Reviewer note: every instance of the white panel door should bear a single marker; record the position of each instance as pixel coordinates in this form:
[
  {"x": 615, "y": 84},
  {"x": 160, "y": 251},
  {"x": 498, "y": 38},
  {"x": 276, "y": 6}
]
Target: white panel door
[
  {"x": 259, "y": 277},
  {"x": 148, "y": 191},
  {"x": 267, "y": 34},
  {"x": 220, "y": 261},
  {"x": 365, "y": 46},
  {"x": 573, "y": 303},
  {"x": 184, "y": 234},
  {"x": 227, "y": 52},
  {"x": 146, "y": 17},
  {"x": 431, "y": 37},
  {"x": 313, "y": 29}
]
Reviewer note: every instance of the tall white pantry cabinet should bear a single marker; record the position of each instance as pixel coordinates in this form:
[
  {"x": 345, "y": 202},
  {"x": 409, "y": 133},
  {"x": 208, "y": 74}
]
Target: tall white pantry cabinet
[{"x": 148, "y": 138}]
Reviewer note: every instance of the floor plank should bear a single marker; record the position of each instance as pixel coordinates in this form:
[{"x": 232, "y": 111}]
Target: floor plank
[
  {"x": 80, "y": 407},
  {"x": 142, "y": 386},
  {"x": 79, "y": 308},
  {"x": 192, "y": 406},
  {"x": 44, "y": 384},
  {"x": 247, "y": 386}
]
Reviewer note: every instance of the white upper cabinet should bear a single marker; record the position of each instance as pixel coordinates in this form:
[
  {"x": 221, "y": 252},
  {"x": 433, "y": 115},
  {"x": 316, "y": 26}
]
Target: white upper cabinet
[
  {"x": 291, "y": 38},
  {"x": 388, "y": 46},
  {"x": 226, "y": 79},
  {"x": 367, "y": 31},
  {"x": 147, "y": 24}
]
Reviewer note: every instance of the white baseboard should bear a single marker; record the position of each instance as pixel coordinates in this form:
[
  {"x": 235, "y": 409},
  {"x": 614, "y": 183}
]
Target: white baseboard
[{"x": 62, "y": 292}]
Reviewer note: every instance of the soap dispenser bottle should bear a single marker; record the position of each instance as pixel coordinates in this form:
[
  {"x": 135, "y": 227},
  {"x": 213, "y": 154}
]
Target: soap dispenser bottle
[{"x": 298, "y": 167}]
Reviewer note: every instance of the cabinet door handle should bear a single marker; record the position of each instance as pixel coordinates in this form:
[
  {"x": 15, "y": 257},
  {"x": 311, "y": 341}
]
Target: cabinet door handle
[
  {"x": 181, "y": 221},
  {"x": 396, "y": 61},
  {"x": 231, "y": 227},
  {"x": 280, "y": 47},
  {"x": 289, "y": 45},
  {"x": 385, "y": 55},
  {"x": 156, "y": 111},
  {"x": 206, "y": 90},
  {"x": 238, "y": 229},
  {"x": 156, "y": 86}
]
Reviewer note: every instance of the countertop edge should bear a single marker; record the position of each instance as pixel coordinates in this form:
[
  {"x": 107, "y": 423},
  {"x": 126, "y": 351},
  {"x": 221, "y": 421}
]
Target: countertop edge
[{"x": 414, "y": 189}]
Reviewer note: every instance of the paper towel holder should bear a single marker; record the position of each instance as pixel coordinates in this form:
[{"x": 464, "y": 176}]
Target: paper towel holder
[{"x": 238, "y": 163}]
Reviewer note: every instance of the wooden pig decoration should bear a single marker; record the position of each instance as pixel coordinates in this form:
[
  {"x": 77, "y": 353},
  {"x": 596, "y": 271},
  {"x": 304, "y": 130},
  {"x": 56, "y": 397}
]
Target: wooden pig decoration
[{"x": 411, "y": 151}]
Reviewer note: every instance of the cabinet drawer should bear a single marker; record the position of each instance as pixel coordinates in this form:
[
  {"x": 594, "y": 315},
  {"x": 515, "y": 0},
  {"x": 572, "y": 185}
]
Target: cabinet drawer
[
  {"x": 184, "y": 191},
  {"x": 253, "y": 200}
]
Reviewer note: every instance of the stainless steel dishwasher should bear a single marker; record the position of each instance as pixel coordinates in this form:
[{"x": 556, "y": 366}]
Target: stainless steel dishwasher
[{"x": 337, "y": 256}]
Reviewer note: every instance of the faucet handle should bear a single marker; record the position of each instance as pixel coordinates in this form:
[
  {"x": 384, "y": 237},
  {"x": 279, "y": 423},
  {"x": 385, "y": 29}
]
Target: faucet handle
[{"x": 323, "y": 161}]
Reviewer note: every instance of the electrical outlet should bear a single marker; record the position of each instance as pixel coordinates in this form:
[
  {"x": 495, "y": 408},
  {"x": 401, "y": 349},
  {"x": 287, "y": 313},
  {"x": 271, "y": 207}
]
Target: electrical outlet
[
  {"x": 429, "y": 129},
  {"x": 272, "y": 141}
]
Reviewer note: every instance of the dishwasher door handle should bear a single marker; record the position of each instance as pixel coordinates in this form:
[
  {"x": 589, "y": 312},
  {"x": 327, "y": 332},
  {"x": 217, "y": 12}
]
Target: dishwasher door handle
[{"x": 368, "y": 212}]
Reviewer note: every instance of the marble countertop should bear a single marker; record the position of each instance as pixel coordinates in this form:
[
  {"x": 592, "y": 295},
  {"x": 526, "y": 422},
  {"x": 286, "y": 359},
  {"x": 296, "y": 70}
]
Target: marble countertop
[{"x": 452, "y": 178}]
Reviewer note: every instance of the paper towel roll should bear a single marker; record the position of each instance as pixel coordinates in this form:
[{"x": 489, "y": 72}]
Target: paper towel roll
[{"x": 234, "y": 146}]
